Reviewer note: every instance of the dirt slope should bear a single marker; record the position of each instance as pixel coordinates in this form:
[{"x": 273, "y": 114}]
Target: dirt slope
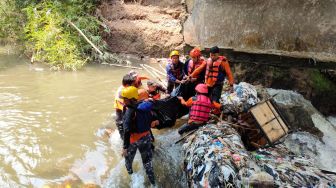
[{"x": 144, "y": 28}]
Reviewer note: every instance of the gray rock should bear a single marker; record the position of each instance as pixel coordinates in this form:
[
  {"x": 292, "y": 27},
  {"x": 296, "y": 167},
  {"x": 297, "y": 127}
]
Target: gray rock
[
  {"x": 296, "y": 111},
  {"x": 302, "y": 25}
]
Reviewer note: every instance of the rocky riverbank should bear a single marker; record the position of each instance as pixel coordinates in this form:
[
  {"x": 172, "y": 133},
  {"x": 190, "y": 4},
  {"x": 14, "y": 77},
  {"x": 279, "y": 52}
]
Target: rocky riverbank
[{"x": 312, "y": 84}]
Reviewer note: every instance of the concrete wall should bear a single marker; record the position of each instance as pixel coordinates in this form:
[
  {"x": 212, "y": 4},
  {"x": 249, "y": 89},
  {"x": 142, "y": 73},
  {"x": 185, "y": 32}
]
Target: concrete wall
[{"x": 289, "y": 25}]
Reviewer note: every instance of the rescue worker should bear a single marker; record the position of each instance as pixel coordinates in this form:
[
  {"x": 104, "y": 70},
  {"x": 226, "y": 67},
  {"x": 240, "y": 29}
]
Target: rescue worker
[
  {"x": 143, "y": 94},
  {"x": 127, "y": 80},
  {"x": 200, "y": 109},
  {"x": 175, "y": 71},
  {"x": 217, "y": 69},
  {"x": 130, "y": 79},
  {"x": 154, "y": 90},
  {"x": 196, "y": 67},
  {"x": 137, "y": 78},
  {"x": 137, "y": 124}
]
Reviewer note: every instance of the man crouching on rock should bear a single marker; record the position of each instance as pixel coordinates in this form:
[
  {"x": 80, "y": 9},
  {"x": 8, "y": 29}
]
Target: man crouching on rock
[
  {"x": 200, "y": 107},
  {"x": 137, "y": 123}
]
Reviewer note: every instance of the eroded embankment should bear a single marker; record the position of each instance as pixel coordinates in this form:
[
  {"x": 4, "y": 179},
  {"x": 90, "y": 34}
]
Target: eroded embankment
[{"x": 143, "y": 28}]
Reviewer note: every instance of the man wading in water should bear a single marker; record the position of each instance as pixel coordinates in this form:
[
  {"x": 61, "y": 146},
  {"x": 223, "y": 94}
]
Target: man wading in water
[{"x": 137, "y": 124}]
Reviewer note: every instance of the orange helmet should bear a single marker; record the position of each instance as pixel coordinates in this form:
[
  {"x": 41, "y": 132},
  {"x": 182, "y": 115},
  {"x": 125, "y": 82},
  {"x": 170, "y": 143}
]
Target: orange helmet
[{"x": 196, "y": 52}]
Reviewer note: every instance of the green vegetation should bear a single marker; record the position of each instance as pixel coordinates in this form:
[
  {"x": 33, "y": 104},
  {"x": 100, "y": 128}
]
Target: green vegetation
[
  {"x": 11, "y": 21},
  {"x": 47, "y": 34},
  {"x": 322, "y": 84}
]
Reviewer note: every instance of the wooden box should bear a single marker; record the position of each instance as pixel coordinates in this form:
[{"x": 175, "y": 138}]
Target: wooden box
[{"x": 269, "y": 121}]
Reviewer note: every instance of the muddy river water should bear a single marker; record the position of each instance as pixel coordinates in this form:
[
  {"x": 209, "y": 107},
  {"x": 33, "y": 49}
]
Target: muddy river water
[{"x": 51, "y": 130}]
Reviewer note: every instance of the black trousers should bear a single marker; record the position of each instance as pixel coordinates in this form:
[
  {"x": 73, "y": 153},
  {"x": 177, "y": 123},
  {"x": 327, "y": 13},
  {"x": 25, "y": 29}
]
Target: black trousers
[
  {"x": 215, "y": 92},
  {"x": 188, "y": 127},
  {"x": 145, "y": 147},
  {"x": 119, "y": 122}
]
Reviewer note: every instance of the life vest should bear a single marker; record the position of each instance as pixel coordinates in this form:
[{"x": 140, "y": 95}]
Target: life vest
[
  {"x": 155, "y": 95},
  {"x": 193, "y": 66},
  {"x": 200, "y": 108},
  {"x": 118, "y": 101},
  {"x": 176, "y": 71},
  {"x": 214, "y": 72}
]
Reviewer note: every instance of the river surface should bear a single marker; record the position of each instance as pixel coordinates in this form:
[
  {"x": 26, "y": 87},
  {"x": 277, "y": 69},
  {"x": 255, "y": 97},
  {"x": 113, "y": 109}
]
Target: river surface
[{"x": 51, "y": 130}]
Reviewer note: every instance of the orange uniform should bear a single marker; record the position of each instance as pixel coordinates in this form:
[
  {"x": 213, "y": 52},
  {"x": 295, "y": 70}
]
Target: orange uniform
[{"x": 216, "y": 71}]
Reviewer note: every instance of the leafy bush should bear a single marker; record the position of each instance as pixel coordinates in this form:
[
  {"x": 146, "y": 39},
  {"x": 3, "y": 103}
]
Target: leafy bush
[
  {"x": 10, "y": 21},
  {"x": 48, "y": 35}
]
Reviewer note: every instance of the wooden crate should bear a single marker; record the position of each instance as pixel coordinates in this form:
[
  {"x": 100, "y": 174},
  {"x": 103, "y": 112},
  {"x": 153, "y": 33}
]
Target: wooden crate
[{"x": 269, "y": 121}]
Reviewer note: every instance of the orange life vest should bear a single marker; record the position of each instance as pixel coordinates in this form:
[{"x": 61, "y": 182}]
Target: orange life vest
[
  {"x": 214, "y": 72},
  {"x": 200, "y": 109},
  {"x": 155, "y": 95},
  {"x": 193, "y": 66}
]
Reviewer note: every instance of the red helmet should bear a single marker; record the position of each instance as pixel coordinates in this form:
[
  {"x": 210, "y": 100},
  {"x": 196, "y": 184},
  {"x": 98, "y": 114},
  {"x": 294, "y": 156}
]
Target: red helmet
[
  {"x": 202, "y": 88},
  {"x": 195, "y": 52}
]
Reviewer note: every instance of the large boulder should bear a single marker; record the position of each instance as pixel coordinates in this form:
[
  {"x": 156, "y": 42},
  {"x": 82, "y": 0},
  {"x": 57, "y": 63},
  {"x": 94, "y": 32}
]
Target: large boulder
[
  {"x": 302, "y": 25},
  {"x": 296, "y": 110},
  {"x": 313, "y": 134}
]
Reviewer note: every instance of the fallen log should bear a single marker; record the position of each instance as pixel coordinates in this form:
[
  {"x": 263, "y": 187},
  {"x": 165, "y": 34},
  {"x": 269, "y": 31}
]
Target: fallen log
[
  {"x": 155, "y": 70},
  {"x": 153, "y": 75},
  {"x": 83, "y": 35},
  {"x": 125, "y": 66},
  {"x": 163, "y": 69},
  {"x": 157, "y": 76}
]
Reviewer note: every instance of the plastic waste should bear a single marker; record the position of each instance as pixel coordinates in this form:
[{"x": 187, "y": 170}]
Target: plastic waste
[
  {"x": 216, "y": 157},
  {"x": 241, "y": 100}
]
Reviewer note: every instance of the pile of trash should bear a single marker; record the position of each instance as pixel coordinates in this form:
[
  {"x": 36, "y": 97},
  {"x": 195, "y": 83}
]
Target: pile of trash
[
  {"x": 287, "y": 169},
  {"x": 216, "y": 157},
  {"x": 241, "y": 100}
]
